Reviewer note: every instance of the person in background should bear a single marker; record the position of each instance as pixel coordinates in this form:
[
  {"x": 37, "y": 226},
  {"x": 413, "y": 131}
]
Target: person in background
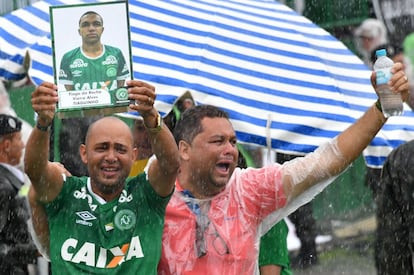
[
  {"x": 140, "y": 134},
  {"x": 394, "y": 186},
  {"x": 273, "y": 251},
  {"x": 395, "y": 222},
  {"x": 371, "y": 36},
  {"x": 373, "y": 175},
  {"x": 105, "y": 222},
  {"x": 184, "y": 102},
  {"x": 143, "y": 145},
  {"x": 408, "y": 47},
  {"x": 7, "y": 108},
  {"x": 213, "y": 218},
  {"x": 18, "y": 253},
  {"x": 368, "y": 36}
]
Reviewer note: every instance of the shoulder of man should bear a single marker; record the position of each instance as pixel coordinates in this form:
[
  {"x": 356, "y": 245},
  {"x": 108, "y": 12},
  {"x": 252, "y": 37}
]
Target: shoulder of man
[
  {"x": 76, "y": 181},
  {"x": 112, "y": 49},
  {"x": 72, "y": 52},
  {"x": 404, "y": 151},
  {"x": 8, "y": 181},
  {"x": 397, "y": 162}
]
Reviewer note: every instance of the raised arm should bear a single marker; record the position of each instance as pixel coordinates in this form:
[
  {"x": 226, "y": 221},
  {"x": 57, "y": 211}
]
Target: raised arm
[
  {"x": 46, "y": 178},
  {"x": 331, "y": 159},
  {"x": 162, "y": 171},
  {"x": 40, "y": 224}
]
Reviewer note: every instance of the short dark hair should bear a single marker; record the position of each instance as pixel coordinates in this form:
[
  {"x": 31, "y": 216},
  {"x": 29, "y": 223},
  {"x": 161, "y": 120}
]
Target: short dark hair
[
  {"x": 88, "y": 13},
  {"x": 189, "y": 124}
]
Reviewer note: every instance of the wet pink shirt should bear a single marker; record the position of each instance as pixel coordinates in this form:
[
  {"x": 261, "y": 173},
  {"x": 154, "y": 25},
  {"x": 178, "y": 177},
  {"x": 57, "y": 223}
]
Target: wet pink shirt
[{"x": 231, "y": 237}]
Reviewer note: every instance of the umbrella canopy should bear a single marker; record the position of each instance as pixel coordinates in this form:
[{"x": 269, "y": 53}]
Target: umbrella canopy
[{"x": 286, "y": 83}]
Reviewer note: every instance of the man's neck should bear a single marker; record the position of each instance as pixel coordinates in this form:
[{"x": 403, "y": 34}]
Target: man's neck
[
  {"x": 92, "y": 50},
  {"x": 197, "y": 190},
  {"x": 105, "y": 196}
]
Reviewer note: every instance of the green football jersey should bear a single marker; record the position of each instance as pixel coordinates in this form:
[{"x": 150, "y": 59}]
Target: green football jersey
[
  {"x": 122, "y": 236},
  {"x": 273, "y": 248},
  {"x": 85, "y": 73}
]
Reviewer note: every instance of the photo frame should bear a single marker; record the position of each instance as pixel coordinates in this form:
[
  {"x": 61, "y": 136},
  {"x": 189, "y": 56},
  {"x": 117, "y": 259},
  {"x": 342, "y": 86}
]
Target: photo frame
[{"x": 92, "y": 59}]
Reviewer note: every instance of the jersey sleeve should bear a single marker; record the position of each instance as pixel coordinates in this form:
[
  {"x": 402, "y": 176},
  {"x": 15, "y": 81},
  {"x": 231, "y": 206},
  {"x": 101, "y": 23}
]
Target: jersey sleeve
[
  {"x": 123, "y": 70},
  {"x": 273, "y": 246},
  {"x": 53, "y": 207},
  {"x": 65, "y": 77},
  {"x": 154, "y": 200}
]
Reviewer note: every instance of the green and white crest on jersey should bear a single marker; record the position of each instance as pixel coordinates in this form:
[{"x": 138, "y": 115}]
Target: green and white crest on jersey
[
  {"x": 111, "y": 72},
  {"x": 121, "y": 94},
  {"x": 125, "y": 219}
]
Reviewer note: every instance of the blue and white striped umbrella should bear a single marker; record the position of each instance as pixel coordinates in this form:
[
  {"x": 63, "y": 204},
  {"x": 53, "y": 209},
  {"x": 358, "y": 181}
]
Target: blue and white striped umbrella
[{"x": 286, "y": 83}]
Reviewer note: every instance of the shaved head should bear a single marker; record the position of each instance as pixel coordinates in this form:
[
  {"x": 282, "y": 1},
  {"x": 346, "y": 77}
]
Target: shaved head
[{"x": 110, "y": 123}]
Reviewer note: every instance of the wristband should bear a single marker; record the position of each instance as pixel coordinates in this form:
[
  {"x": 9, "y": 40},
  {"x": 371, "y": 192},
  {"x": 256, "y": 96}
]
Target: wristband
[
  {"x": 378, "y": 105},
  {"x": 43, "y": 128}
]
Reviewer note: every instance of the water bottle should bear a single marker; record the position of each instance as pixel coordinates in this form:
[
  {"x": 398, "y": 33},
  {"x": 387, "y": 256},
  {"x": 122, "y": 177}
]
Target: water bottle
[{"x": 391, "y": 103}]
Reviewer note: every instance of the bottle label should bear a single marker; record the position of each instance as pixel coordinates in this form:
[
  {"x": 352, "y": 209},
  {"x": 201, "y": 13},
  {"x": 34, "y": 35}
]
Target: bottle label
[{"x": 383, "y": 76}]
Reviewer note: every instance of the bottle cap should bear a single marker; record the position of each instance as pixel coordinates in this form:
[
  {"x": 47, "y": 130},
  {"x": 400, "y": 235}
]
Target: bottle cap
[{"x": 381, "y": 52}]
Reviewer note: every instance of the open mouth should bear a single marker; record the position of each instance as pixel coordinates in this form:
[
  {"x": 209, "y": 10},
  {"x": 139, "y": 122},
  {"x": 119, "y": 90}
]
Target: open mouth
[{"x": 223, "y": 167}]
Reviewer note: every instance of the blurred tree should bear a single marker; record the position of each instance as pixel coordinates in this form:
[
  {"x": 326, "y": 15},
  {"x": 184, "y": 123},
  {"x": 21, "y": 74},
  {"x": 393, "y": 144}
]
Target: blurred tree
[
  {"x": 7, "y": 6},
  {"x": 339, "y": 17}
]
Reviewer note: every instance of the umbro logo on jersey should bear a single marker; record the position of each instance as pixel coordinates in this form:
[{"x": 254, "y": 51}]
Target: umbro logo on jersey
[
  {"x": 85, "y": 216},
  {"x": 77, "y": 73}
]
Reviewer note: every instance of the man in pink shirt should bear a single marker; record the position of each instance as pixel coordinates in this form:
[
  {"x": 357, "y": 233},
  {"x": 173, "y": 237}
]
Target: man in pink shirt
[{"x": 214, "y": 218}]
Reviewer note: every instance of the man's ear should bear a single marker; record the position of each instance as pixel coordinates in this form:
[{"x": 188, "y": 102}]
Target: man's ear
[
  {"x": 82, "y": 153},
  {"x": 6, "y": 145},
  {"x": 134, "y": 153},
  {"x": 184, "y": 150},
  {"x": 79, "y": 31}
]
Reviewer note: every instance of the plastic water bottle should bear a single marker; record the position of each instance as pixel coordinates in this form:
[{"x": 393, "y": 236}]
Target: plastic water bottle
[{"x": 391, "y": 103}]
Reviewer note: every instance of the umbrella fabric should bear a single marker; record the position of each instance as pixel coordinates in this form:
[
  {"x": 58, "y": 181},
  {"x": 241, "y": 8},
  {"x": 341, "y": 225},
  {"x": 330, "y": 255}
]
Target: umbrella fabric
[{"x": 286, "y": 83}]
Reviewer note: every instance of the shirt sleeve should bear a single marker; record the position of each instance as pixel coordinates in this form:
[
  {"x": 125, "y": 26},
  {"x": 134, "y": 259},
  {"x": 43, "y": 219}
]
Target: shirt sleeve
[
  {"x": 65, "y": 77},
  {"x": 123, "y": 70}
]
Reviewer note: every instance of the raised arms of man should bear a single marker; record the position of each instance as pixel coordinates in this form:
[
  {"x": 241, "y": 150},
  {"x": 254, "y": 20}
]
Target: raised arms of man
[{"x": 334, "y": 157}]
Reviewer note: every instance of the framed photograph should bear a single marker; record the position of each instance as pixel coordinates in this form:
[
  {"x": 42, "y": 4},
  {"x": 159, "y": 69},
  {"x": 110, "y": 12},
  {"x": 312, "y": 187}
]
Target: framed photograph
[{"x": 92, "y": 57}]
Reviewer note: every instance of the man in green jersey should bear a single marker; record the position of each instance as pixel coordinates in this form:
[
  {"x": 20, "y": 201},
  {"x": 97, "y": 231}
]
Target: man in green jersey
[
  {"x": 104, "y": 223},
  {"x": 93, "y": 65}
]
